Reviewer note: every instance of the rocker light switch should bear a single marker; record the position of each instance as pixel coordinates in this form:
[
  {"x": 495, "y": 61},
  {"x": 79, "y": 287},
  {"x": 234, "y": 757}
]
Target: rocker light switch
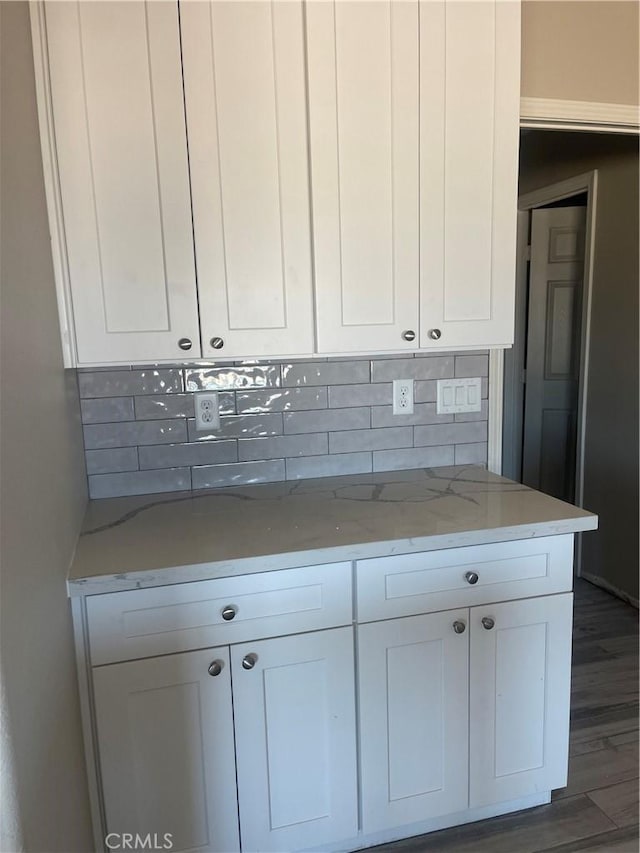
[{"x": 458, "y": 395}]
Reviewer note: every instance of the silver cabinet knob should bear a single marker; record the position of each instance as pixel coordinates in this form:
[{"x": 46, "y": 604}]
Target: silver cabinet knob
[
  {"x": 487, "y": 622},
  {"x": 409, "y": 335},
  {"x": 472, "y": 577},
  {"x": 459, "y": 626},
  {"x": 185, "y": 343},
  {"x": 249, "y": 661},
  {"x": 435, "y": 334},
  {"x": 217, "y": 343},
  {"x": 215, "y": 667},
  {"x": 228, "y": 612}
]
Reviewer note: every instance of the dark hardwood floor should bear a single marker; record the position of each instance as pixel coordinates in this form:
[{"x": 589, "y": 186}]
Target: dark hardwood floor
[{"x": 598, "y": 810}]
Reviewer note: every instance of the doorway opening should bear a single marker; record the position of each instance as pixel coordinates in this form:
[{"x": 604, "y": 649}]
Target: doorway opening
[{"x": 545, "y": 372}]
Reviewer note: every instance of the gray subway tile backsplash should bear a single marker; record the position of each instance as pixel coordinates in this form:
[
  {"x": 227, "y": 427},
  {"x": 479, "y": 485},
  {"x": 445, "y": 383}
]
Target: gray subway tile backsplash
[
  {"x": 329, "y": 466},
  {"x": 108, "y": 410},
  {"x": 178, "y": 455},
  {"x": 140, "y": 483},
  {"x": 325, "y": 373},
  {"x": 238, "y": 474},
  {"x": 280, "y": 419},
  {"x": 327, "y": 420},
  {"x": 117, "y": 383}
]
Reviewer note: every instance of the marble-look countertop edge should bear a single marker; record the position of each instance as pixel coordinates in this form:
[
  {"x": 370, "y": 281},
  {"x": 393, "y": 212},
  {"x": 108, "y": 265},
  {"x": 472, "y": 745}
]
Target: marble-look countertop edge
[{"x": 167, "y": 575}]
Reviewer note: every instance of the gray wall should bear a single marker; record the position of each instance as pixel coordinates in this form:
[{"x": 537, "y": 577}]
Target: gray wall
[
  {"x": 280, "y": 420},
  {"x": 580, "y": 50},
  {"x": 611, "y": 463},
  {"x": 43, "y": 489}
]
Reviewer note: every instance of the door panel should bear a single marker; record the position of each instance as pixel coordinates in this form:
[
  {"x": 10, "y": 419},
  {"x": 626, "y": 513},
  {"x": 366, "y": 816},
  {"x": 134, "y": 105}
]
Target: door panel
[
  {"x": 413, "y": 677},
  {"x": 553, "y": 350},
  {"x": 116, "y": 85},
  {"x": 295, "y": 723},
  {"x": 246, "y": 115},
  {"x": 363, "y": 118},
  {"x": 468, "y": 207},
  {"x": 165, "y": 736},
  {"x": 519, "y": 700}
]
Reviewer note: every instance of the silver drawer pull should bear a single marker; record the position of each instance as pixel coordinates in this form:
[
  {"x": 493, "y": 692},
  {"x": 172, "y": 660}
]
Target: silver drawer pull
[
  {"x": 472, "y": 577},
  {"x": 459, "y": 626},
  {"x": 249, "y": 661},
  {"x": 487, "y": 623},
  {"x": 215, "y": 667},
  {"x": 229, "y": 612}
]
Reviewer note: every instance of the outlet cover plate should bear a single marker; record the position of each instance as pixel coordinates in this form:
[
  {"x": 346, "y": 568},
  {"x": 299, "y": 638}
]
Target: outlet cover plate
[
  {"x": 403, "y": 396},
  {"x": 458, "y": 395},
  {"x": 207, "y": 411}
]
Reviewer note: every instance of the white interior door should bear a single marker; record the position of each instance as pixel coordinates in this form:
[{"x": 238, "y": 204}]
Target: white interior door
[
  {"x": 165, "y": 735},
  {"x": 116, "y": 89},
  {"x": 363, "y": 120},
  {"x": 413, "y": 682},
  {"x": 553, "y": 350},
  {"x": 246, "y": 115},
  {"x": 520, "y": 667},
  {"x": 469, "y": 132},
  {"x": 294, "y": 712}
]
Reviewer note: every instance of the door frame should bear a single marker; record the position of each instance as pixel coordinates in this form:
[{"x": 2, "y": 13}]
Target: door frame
[{"x": 513, "y": 401}]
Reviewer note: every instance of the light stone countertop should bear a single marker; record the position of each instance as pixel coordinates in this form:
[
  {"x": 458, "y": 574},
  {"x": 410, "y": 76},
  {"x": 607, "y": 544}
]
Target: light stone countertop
[{"x": 153, "y": 540}]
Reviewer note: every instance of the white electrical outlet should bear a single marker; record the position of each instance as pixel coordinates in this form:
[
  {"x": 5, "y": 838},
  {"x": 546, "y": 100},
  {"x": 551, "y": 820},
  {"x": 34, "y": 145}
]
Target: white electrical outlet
[
  {"x": 207, "y": 411},
  {"x": 403, "y": 396}
]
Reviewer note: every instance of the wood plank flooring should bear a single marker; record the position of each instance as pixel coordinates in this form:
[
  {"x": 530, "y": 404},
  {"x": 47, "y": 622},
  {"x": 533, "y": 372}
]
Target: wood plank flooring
[{"x": 598, "y": 810}]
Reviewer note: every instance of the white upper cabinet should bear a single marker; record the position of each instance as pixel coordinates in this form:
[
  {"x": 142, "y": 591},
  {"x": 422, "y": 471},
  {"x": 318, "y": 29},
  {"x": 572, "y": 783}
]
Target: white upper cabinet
[
  {"x": 118, "y": 115},
  {"x": 244, "y": 74},
  {"x": 469, "y": 109},
  {"x": 342, "y": 175},
  {"x": 363, "y": 120}
]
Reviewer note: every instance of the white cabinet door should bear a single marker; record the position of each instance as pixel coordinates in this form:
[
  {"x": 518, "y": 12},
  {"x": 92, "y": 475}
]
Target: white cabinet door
[
  {"x": 246, "y": 117},
  {"x": 116, "y": 89},
  {"x": 363, "y": 118},
  {"x": 165, "y": 735},
  {"x": 519, "y": 698},
  {"x": 413, "y": 679},
  {"x": 294, "y": 714},
  {"x": 469, "y": 124}
]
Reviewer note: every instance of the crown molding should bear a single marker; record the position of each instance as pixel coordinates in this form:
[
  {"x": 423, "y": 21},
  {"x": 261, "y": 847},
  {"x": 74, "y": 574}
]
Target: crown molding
[{"x": 579, "y": 115}]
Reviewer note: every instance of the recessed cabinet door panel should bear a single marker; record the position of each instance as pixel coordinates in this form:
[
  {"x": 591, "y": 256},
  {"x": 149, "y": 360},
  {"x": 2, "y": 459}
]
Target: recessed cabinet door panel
[
  {"x": 116, "y": 87},
  {"x": 165, "y": 735},
  {"x": 413, "y": 675},
  {"x": 519, "y": 700},
  {"x": 363, "y": 115},
  {"x": 246, "y": 115},
  {"x": 295, "y": 728},
  {"x": 469, "y": 167}
]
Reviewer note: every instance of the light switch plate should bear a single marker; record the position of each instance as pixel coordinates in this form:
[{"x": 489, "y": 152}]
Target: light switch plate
[{"x": 458, "y": 395}]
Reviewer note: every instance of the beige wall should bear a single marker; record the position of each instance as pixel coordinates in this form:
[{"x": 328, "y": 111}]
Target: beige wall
[
  {"x": 42, "y": 498},
  {"x": 611, "y": 463},
  {"x": 581, "y": 50}
]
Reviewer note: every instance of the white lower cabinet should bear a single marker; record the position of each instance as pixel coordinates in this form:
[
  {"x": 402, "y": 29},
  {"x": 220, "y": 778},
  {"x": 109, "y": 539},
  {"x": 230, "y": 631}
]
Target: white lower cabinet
[
  {"x": 166, "y": 738},
  {"x": 295, "y": 740},
  {"x": 463, "y": 708},
  {"x": 252, "y": 743},
  {"x": 414, "y": 718},
  {"x": 166, "y": 747},
  {"x": 520, "y": 682}
]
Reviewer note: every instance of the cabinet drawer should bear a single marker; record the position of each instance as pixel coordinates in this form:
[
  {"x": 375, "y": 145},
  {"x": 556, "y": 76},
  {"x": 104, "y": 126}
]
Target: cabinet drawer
[
  {"x": 437, "y": 580},
  {"x": 162, "y": 620}
]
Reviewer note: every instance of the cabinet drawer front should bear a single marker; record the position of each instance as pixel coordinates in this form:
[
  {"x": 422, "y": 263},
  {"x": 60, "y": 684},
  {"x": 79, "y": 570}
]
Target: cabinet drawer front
[
  {"x": 424, "y": 583},
  {"x": 143, "y": 623}
]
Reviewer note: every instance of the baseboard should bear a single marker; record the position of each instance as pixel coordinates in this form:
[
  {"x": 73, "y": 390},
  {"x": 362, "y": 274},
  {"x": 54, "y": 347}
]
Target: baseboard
[{"x": 609, "y": 587}]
